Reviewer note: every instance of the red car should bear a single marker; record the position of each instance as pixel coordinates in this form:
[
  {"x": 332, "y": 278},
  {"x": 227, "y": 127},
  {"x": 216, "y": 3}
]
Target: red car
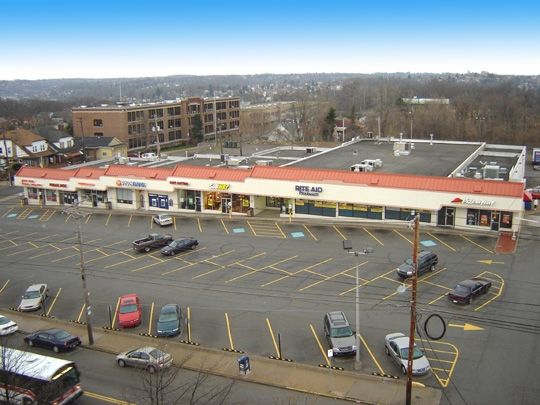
[{"x": 129, "y": 311}]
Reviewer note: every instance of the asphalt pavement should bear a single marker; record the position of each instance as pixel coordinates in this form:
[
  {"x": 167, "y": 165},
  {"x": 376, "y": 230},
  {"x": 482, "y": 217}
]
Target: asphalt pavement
[{"x": 326, "y": 382}]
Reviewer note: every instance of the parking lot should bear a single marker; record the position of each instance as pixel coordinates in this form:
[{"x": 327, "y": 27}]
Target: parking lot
[{"x": 255, "y": 285}]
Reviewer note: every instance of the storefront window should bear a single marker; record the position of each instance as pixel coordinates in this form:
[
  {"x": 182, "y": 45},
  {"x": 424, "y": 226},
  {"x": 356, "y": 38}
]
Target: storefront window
[
  {"x": 506, "y": 219},
  {"x": 33, "y": 193},
  {"x": 273, "y": 202},
  {"x": 212, "y": 200},
  {"x": 94, "y": 196},
  {"x": 375, "y": 212},
  {"x": 187, "y": 199},
  {"x": 158, "y": 201},
  {"x": 472, "y": 217},
  {"x": 124, "y": 196},
  {"x": 50, "y": 195},
  {"x": 240, "y": 203},
  {"x": 478, "y": 217}
]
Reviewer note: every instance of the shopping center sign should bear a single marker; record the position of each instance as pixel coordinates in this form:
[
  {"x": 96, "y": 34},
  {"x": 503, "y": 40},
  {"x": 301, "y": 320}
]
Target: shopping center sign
[{"x": 130, "y": 183}]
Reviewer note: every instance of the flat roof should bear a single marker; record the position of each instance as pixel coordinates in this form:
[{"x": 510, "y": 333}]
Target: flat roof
[{"x": 437, "y": 159}]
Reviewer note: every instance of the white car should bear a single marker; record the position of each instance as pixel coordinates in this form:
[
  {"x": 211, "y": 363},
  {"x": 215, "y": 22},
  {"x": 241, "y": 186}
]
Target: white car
[
  {"x": 7, "y": 326},
  {"x": 163, "y": 219},
  {"x": 396, "y": 345},
  {"x": 33, "y": 298}
]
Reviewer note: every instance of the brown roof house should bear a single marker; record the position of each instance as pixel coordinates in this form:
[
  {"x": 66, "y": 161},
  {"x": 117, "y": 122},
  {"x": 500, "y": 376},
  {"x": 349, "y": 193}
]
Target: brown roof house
[
  {"x": 102, "y": 147},
  {"x": 27, "y": 147}
]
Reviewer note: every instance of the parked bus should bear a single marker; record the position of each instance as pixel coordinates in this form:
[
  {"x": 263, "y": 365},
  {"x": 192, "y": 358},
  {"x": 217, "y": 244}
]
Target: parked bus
[{"x": 32, "y": 379}]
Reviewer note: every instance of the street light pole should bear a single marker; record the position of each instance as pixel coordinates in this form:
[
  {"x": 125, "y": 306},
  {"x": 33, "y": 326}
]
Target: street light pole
[
  {"x": 347, "y": 245},
  {"x": 74, "y": 212},
  {"x": 412, "y": 330}
]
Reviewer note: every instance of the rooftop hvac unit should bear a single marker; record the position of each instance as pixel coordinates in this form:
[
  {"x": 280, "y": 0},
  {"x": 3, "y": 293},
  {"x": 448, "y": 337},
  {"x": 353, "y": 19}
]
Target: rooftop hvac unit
[
  {"x": 361, "y": 167},
  {"x": 491, "y": 172},
  {"x": 263, "y": 162},
  {"x": 310, "y": 150},
  {"x": 372, "y": 162},
  {"x": 235, "y": 161}
]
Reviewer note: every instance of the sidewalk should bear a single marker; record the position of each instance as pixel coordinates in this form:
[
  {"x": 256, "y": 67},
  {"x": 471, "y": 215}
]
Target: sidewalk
[{"x": 345, "y": 385}]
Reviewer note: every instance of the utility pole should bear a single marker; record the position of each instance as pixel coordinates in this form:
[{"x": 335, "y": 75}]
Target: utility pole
[
  {"x": 412, "y": 330},
  {"x": 75, "y": 212},
  {"x": 7, "y": 155}
]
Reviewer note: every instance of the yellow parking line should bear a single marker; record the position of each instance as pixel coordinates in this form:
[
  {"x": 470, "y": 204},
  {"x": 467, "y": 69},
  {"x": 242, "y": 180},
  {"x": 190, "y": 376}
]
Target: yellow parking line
[
  {"x": 189, "y": 324},
  {"x": 108, "y": 219},
  {"x": 229, "y": 331},
  {"x": 174, "y": 222},
  {"x": 105, "y": 398},
  {"x": 224, "y": 227},
  {"x": 278, "y": 354},
  {"x": 342, "y": 273},
  {"x": 5, "y": 285},
  {"x": 436, "y": 299},
  {"x": 320, "y": 346},
  {"x": 54, "y": 301},
  {"x": 284, "y": 237},
  {"x": 474, "y": 243},
  {"x": 373, "y": 236},
  {"x": 116, "y": 312},
  {"x": 80, "y": 313},
  {"x": 88, "y": 218},
  {"x": 252, "y": 230},
  {"x": 444, "y": 243},
  {"x": 497, "y": 295},
  {"x": 199, "y": 223},
  {"x": 442, "y": 381},
  {"x": 151, "y": 316},
  {"x": 313, "y": 236},
  {"x": 370, "y": 353},
  {"x": 131, "y": 217},
  {"x": 68, "y": 217},
  {"x": 439, "y": 360},
  {"x": 296, "y": 272},
  {"x": 338, "y": 231},
  {"x": 7, "y": 212},
  {"x": 403, "y": 236},
  {"x": 367, "y": 282}
]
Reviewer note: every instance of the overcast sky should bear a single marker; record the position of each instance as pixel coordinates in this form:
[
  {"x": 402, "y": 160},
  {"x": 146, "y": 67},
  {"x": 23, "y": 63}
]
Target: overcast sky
[{"x": 42, "y": 39}]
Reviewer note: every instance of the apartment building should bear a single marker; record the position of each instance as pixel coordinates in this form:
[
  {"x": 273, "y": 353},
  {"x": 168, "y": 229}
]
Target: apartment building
[{"x": 140, "y": 125}]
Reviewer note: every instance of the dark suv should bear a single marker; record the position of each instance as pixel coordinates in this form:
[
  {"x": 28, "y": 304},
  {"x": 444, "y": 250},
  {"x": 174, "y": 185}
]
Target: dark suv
[
  {"x": 339, "y": 334},
  {"x": 426, "y": 262}
]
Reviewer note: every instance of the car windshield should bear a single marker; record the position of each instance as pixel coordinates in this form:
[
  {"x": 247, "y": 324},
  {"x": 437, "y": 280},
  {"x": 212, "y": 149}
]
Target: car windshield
[
  {"x": 125, "y": 309},
  {"x": 409, "y": 262},
  {"x": 462, "y": 288},
  {"x": 31, "y": 295},
  {"x": 167, "y": 317},
  {"x": 157, "y": 354},
  {"x": 3, "y": 320},
  {"x": 341, "y": 332},
  {"x": 168, "y": 324},
  {"x": 61, "y": 334},
  {"x": 417, "y": 353}
]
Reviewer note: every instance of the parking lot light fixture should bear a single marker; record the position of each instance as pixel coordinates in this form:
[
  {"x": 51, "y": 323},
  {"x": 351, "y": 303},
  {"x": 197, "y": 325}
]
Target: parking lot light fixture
[{"x": 347, "y": 246}]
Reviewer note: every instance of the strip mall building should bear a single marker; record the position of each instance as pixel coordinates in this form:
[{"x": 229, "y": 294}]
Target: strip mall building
[{"x": 460, "y": 203}]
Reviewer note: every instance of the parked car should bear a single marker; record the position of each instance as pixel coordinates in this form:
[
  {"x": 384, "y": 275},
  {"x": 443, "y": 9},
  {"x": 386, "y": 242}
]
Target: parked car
[
  {"x": 535, "y": 192},
  {"x": 341, "y": 338},
  {"x": 396, "y": 345},
  {"x": 129, "y": 311},
  {"x": 149, "y": 358},
  {"x": 426, "y": 262},
  {"x": 467, "y": 290},
  {"x": 163, "y": 219},
  {"x": 55, "y": 339},
  {"x": 152, "y": 241},
  {"x": 179, "y": 245},
  {"x": 7, "y": 326},
  {"x": 169, "y": 321},
  {"x": 34, "y": 297}
]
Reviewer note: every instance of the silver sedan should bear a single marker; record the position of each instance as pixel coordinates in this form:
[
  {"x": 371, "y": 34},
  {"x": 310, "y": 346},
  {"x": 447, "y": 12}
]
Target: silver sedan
[{"x": 148, "y": 358}]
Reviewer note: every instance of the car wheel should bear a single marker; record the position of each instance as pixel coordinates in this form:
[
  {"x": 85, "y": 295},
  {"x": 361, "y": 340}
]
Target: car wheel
[
  {"x": 151, "y": 369},
  {"x": 121, "y": 363},
  {"x": 55, "y": 349},
  {"x": 470, "y": 300},
  {"x": 404, "y": 370},
  {"x": 147, "y": 249},
  {"x": 193, "y": 247},
  {"x": 30, "y": 343},
  {"x": 386, "y": 350},
  {"x": 173, "y": 253},
  {"x": 432, "y": 268}
]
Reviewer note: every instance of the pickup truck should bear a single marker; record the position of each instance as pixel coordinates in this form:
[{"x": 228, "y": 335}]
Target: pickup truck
[{"x": 152, "y": 241}]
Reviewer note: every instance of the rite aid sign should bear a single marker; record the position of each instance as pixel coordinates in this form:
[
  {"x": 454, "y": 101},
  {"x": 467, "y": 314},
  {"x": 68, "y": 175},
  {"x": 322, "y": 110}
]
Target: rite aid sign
[
  {"x": 472, "y": 201},
  {"x": 312, "y": 191}
]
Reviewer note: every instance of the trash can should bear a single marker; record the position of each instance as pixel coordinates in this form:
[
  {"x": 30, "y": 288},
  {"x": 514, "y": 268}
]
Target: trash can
[
  {"x": 108, "y": 204},
  {"x": 250, "y": 212},
  {"x": 243, "y": 364},
  {"x": 24, "y": 201}
]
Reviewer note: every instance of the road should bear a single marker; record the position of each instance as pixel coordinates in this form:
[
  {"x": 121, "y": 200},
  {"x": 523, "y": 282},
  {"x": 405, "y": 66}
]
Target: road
[{"x": 250, "y": 281}]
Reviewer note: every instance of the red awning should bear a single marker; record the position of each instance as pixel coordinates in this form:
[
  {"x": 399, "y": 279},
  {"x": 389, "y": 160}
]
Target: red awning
[{"x": 527, "y": 196}]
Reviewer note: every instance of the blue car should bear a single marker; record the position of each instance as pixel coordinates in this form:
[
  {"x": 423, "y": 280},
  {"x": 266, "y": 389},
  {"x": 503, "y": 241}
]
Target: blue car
[
  {"x": 55, "y": 339},
  {"x": 169, "y": 321}
]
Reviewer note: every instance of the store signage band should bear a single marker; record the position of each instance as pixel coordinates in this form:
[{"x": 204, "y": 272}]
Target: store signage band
[
  {"x": 219, "y": 186},
  {"x": 130, "y": 183},
  {"x": 472, "y": 201},
  {"x": 59, "y": 185},
  {"x": 308, "y": 190},
  {"x": 27, "y": 182}
]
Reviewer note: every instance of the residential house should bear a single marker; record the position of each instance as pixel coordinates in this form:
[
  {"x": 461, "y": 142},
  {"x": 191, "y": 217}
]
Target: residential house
[
  {"x": 67, "y": 150},
  {"x": 102, "y": 147},
  {"x": 26, "y": 147}
]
